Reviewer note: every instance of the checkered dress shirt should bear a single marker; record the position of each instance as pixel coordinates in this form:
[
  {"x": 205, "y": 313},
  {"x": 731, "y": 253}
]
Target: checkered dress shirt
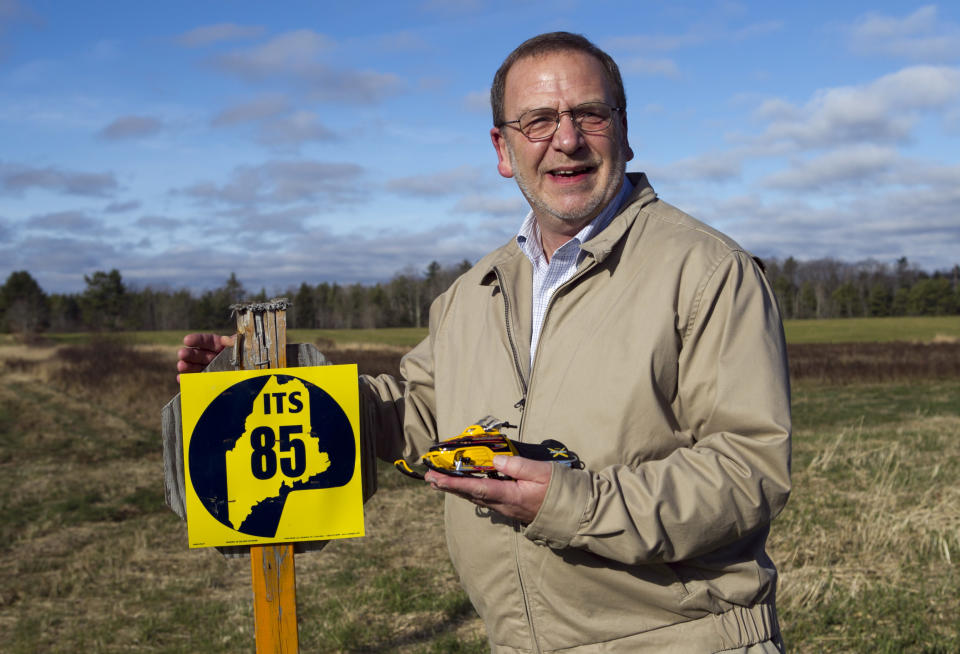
[{"x": 548, "y": 277}]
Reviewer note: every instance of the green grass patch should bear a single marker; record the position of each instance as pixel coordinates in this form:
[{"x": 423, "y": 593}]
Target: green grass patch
[
  {"x": 818, "y": 407},
  {"x": 922, "y": 329},
  {"x": 392, "y": 336}
]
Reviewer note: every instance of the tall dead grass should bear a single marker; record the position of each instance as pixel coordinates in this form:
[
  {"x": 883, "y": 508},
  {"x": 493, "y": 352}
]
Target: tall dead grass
[
  {"x": 93, "y": 561},
  {"x": 872, "y": 533}
]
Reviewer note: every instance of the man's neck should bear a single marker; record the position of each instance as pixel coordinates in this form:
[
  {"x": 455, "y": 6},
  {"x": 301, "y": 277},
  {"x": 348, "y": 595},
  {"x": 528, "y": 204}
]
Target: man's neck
[{"x": 555, "y": 232}]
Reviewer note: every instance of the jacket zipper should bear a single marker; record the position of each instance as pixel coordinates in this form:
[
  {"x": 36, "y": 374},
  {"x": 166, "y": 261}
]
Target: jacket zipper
[
  {"x": 521, "y": 404},
  {"x": 513, "y": 345},
  {"x": 518, "y": 532}
]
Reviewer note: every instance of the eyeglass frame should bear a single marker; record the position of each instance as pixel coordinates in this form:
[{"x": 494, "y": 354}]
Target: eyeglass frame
[{"x": 557, "y": 124}]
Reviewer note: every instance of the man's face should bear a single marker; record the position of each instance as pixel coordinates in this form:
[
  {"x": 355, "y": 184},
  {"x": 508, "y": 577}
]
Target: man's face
[{"x": 569, "y": 178}]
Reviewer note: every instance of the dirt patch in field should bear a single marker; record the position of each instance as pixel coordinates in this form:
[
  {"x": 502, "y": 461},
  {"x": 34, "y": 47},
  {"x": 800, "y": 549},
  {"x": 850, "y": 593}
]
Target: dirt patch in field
[
  {"x": 846, "y": 363},
  {"x": 369, "y": 361},
  {"x": 835, "y": 363}
]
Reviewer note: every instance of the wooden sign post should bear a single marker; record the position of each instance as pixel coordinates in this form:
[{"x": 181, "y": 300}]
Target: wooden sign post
[
  {"x": 261, "y": 342},
  {"x": 327, "y": 481}
]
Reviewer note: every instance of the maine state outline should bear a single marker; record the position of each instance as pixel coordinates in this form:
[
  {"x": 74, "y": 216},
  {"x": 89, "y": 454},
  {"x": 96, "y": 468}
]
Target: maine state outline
[{"x": 276, "y": 454}]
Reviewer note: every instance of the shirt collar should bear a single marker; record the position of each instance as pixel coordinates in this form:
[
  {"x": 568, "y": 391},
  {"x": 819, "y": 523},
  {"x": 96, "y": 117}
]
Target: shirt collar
[{"x": 528, "y": 239}]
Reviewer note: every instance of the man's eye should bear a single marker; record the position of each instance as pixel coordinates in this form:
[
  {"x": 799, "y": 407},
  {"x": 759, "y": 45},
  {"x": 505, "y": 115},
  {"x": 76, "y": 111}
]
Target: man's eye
[
  {"x": 589, "y": 115},
  {"x": 540, "y": 119}
]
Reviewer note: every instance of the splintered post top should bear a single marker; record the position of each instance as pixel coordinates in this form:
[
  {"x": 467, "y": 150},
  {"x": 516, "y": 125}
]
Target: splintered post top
[{"x": 261, "y": 334}]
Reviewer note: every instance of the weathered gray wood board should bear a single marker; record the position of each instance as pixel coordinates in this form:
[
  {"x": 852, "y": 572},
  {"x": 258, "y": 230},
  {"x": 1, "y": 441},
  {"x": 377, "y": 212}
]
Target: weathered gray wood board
[{"x": 298, "y": 355}]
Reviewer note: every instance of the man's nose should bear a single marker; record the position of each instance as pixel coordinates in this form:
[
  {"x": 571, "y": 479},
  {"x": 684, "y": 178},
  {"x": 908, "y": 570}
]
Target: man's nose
[{"x": 568, "y": 138}]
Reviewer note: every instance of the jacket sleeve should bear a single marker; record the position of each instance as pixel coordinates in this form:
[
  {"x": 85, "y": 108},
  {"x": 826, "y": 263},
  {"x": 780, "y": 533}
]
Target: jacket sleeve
[
  {"x": 398, "y": 417},
  {"x": 733, "y": 407}
]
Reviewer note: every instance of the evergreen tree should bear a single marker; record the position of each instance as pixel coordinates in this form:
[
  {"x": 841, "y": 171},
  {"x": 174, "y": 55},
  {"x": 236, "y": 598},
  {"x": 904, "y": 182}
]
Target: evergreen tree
[
  {"x": 103, "y": 304},
  {"x": 305, "y": 307},
  {"x": 881, "y": 300},
  {"x": 24, "y": 306}
]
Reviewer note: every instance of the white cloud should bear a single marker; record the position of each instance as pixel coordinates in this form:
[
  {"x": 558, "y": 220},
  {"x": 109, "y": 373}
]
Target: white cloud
[
  {"x": 295, "y": 129},
  {"x": 403, "y": 42},
  {"x": 478, "y": 101},
  {"x": 59, "y": 259},
  {"x": 15, "y": 179},
  {"x": 315, "y": 255},
  {"x": 858, "y": 165},
  {"x": 920, "y": 35},
  {"x": 514, "y": 208},
  {"x": 883, "y": 111},
  {"x": 284, "y": 182},
  {"x": 12, "y": 11},
  {"x": 710, "y": 167},
  {"x": 292, "y": 52},
  {"x": 650, "y": 67},
  {"x": 209, "y": 34},
  {"x": 105, "y": 50},
  {"x": 451, "y": 6},
  {"x": 264, "y": 106},
  {"x": 162, "y": 223},
  {"x": 660, "y": 42},
  {"x": 912, "y": 216},
  {"x": 451, "y": 182},
  {"x": 64, "y": 221},
  {"x": 756, "y": 29},
  {"x": 707, "y": 31},
  {"x": 121, "y": 207},
  {"x": 131, "y": 127},
  {"x": 295, "y": 57}
]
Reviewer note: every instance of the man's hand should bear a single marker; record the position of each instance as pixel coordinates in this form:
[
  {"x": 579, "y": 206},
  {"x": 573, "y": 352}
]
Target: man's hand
[
  {"x": 519, "y": 497},
  {"x": 200, "y": 350}
]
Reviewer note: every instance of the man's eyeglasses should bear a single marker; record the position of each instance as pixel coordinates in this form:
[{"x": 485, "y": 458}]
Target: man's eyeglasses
[{"x": 540, "y": 124}]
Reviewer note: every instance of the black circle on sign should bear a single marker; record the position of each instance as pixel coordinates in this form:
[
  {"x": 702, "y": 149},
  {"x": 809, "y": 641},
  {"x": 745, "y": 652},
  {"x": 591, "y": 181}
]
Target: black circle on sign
[{"x": 222, "y": 424}]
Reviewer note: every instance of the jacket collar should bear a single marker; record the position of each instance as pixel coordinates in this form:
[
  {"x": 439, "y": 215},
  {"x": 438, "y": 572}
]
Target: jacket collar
[{"x": 598, "y": 247}]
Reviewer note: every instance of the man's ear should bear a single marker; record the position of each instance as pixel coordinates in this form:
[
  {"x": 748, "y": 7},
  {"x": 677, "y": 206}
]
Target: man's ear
[{"x": 499, "y": 140}]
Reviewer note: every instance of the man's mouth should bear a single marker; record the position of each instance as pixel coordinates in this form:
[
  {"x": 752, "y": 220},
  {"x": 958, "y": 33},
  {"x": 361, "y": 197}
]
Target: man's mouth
[{"x": 570, "y": 173}]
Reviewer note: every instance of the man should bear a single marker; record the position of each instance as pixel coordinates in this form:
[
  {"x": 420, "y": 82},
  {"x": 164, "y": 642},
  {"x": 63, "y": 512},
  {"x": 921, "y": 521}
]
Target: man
[{"x": 647, "y": 343}]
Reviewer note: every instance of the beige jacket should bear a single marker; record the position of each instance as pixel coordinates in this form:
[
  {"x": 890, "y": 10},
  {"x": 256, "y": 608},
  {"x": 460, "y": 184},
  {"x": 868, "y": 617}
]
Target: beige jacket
[{"x": 662, "y": 364}]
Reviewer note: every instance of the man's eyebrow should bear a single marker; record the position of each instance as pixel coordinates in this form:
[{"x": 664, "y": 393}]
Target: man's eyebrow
[{"x": 522, "y": 111}]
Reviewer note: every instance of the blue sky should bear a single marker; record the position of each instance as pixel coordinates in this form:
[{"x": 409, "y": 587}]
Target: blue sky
[{"x": 323, "y": 141}]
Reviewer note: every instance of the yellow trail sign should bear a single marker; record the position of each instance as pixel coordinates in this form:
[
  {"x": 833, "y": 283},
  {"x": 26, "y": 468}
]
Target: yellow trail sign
[{"x": 272, "y": 456}]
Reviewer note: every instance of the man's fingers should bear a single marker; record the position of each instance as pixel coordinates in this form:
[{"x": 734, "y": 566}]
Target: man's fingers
[
  {"x": 212, "y": 342},
  {"x": 199, "y": 351},
  {"x": 521, "y": 469}
]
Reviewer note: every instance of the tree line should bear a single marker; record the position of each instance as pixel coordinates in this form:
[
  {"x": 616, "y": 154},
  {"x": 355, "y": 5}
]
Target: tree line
[
  {"x": 827, "y": 288},
  {"x": 109, "y": 304},
  {"x": 822, "y": 288}
]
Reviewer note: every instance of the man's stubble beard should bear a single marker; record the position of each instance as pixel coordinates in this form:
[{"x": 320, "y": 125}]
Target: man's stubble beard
[{"x": 594, "y": 206}]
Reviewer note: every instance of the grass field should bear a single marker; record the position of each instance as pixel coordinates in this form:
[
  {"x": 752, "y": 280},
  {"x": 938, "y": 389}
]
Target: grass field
[
  {"x": 92, "y": 561},
  {"x": 923, "y": 329}
]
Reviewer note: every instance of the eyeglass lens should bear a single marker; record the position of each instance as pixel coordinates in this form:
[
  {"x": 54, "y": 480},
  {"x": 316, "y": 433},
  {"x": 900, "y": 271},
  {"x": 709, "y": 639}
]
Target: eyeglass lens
[{"x": 542, "y": 123}]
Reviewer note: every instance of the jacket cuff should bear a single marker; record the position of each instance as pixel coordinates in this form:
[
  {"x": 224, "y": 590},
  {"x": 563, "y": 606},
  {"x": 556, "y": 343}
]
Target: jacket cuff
[{"x": 563, "y": 507}]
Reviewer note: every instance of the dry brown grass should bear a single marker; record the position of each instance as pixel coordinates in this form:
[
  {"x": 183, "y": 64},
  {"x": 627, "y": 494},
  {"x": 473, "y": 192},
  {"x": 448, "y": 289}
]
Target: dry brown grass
[
  {"x": 868, "y": 545},
  {"x": 93, "y": 561}
]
